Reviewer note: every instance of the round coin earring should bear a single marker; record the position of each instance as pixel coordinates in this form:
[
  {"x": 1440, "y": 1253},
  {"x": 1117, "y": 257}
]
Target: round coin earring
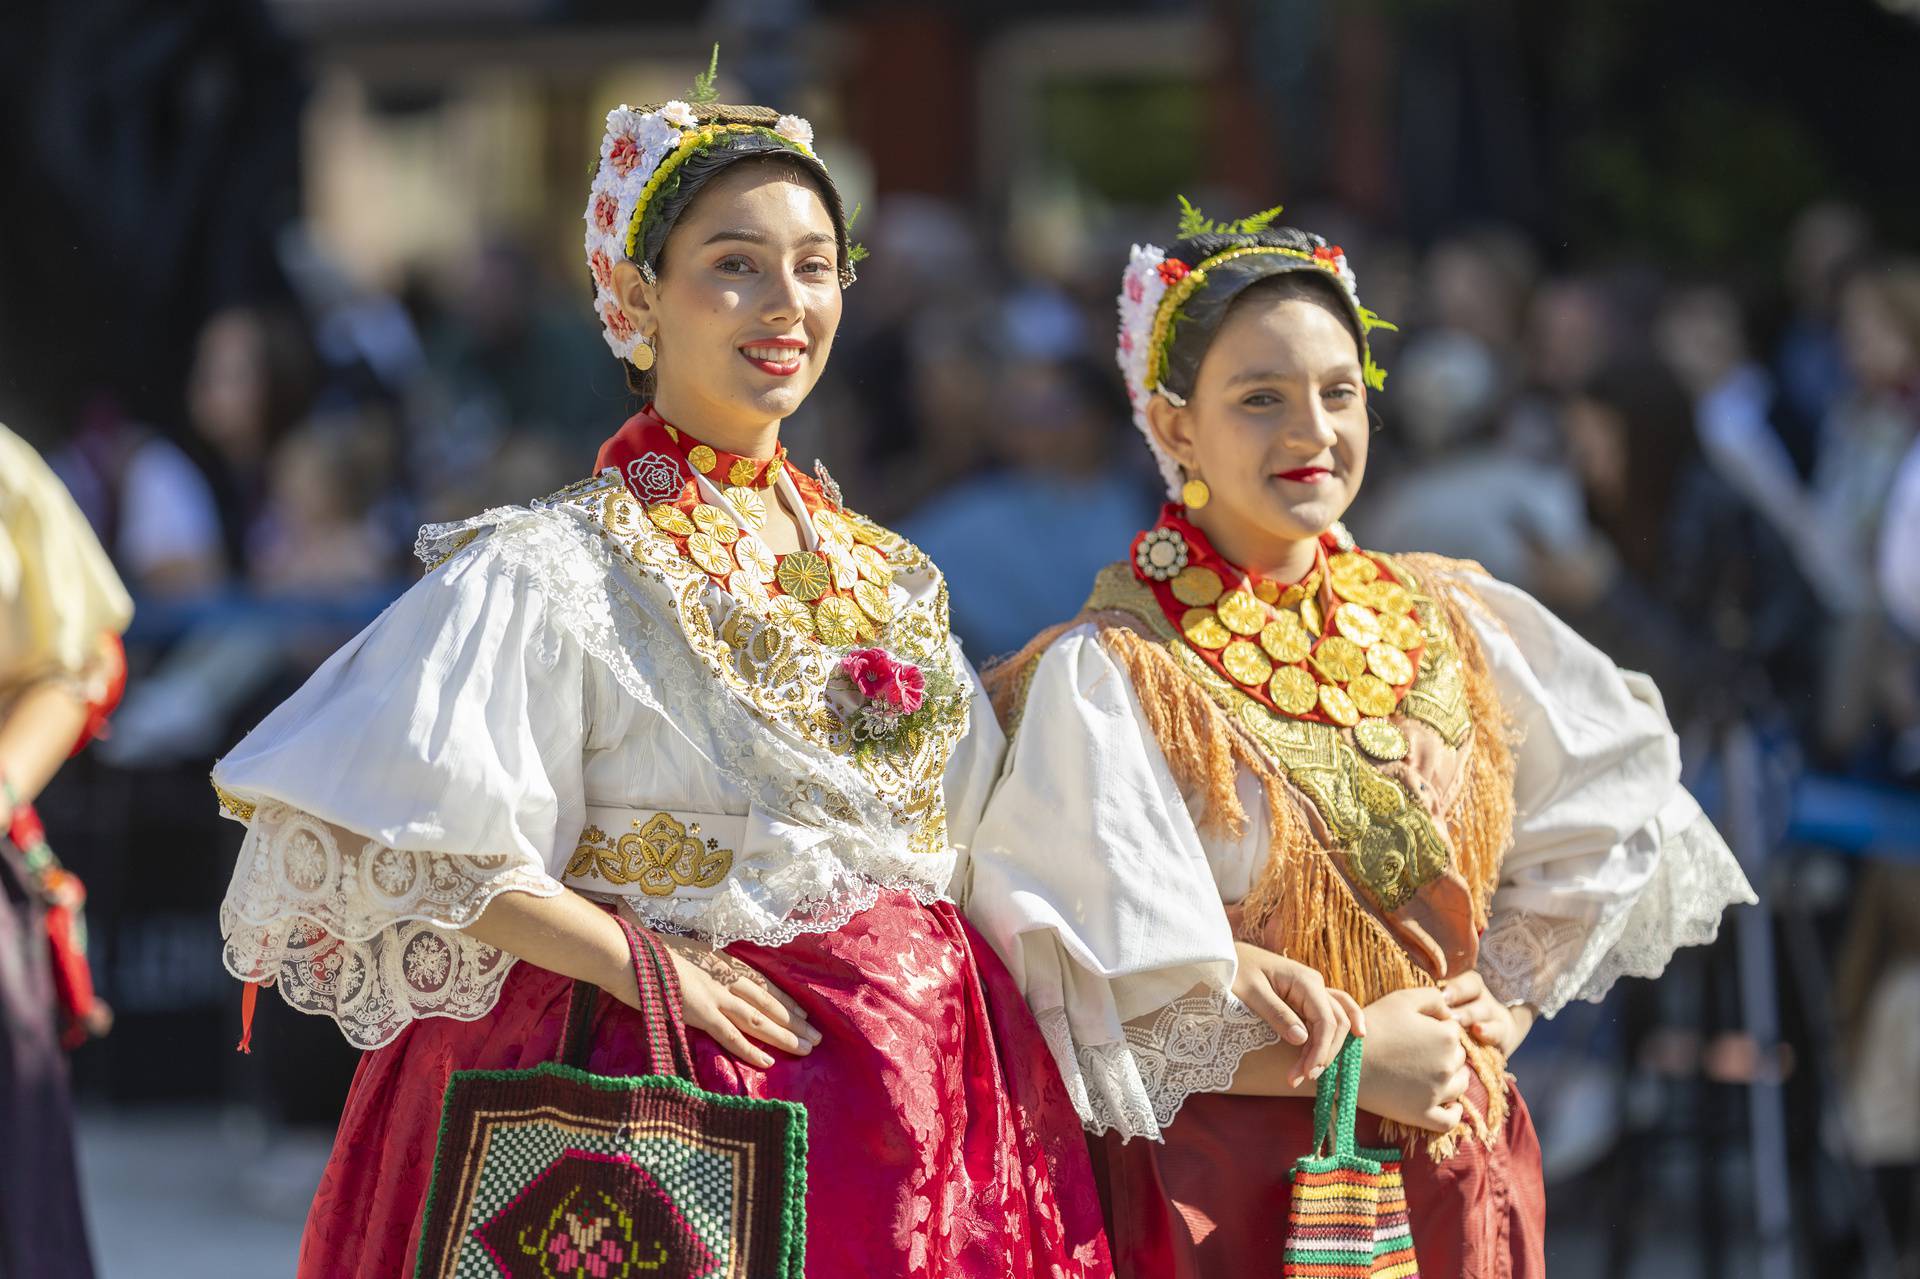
[
  {"x": 642, "y": 355},
  {"x": 1195, "y": 494}
]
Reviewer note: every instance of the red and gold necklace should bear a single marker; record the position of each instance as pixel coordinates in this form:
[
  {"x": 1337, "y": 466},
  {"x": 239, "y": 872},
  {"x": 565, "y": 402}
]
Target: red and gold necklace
[
  {"x": 837, "y": 593},
  {"x": 1340, "y": 646}
]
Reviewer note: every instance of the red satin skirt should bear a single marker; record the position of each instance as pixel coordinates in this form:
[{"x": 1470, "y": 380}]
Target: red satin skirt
[
  {"x": 1211, "y": 1201},
  {"x": 940, "y": 1140}
]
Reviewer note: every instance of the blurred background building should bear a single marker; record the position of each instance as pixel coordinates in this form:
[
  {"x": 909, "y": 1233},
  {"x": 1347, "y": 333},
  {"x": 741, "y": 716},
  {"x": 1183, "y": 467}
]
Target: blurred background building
[{"x": 282, "y": 279}]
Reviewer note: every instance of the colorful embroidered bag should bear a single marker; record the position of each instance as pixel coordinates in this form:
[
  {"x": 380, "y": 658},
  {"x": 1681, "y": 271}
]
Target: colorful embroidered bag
[
  {"x": 555, "y": 1173},
  {"x": 1349, "y": 1213}
]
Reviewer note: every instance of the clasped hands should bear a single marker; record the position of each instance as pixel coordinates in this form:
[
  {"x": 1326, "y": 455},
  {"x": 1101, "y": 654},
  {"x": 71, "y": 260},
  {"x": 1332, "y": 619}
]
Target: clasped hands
[{"x": 1415, "y": 1064}]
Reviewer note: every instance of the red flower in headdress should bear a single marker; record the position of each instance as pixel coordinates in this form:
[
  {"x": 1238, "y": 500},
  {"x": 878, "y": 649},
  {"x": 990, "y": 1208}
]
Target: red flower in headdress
[
  {"x": 602, "y": 268},
  {"x": 1330, "y": 254},
  {"x": 617, "y": 322},
  {"x": 605, "y": 212},
  {"x": 624, "y": 154},
  {"x": 1173, "y": 270}
]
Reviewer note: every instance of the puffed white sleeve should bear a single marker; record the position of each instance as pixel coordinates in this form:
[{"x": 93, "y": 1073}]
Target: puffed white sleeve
[
  {"x": 1613, "y": 865},
  {"x": 432, "y": 764},
  {"x": 1091, "y": 881}
]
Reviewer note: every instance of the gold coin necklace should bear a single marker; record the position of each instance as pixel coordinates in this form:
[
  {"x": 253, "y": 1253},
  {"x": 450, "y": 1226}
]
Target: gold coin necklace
[{"x": 1341, "y": 644}]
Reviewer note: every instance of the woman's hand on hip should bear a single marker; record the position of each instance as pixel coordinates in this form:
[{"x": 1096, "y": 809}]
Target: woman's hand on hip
[{"x": 735, "y": 1003}]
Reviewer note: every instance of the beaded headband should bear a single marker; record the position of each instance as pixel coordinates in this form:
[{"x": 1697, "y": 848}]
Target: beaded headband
[
  {"x": 643, "y": 155},
  {"x": 1155, "y": 288}
]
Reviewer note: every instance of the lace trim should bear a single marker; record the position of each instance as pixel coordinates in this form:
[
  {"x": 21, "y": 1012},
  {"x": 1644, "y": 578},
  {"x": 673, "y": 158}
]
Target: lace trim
[
  {"x": 611, "y": 612},
  {"x": 1549, "y": 962},
  {"x": 364, "y": 933},
  {"x": 1136, "y": 1088}
]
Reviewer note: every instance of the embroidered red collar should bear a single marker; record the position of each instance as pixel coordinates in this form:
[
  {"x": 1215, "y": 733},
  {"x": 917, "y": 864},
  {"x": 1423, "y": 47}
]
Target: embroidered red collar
[
  {"x": 1341, "y": 646},
  {"x": 837, "y": 592},
  {"x": 658, "y": 461}
]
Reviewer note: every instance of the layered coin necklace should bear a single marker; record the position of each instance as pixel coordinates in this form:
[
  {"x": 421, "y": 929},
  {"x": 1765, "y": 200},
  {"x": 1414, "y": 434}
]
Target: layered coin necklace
[
  {"x": 1341, "y": 646},
  {"x": 838, "y": 593}
]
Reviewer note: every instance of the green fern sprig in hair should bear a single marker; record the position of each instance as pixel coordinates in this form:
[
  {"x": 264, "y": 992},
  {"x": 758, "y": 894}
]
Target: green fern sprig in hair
[
  {"x": 703, "y": 91},
  {"x": 1193, "y": 222}
]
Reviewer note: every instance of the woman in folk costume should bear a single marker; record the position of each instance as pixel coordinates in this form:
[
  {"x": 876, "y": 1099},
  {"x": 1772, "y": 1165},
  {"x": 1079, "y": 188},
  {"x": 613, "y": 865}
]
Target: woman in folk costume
[
  {"x": 696, "y": 688},
  {"x": 62, "y": 610},
  {"x": 1262, "y": 750}
]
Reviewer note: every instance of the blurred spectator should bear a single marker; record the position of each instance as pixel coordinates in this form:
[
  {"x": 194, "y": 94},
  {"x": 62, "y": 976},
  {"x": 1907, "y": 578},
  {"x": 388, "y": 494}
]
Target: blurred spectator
[
  {"x": 513, "y": 357},
  {"x": 911, "y": 351},
  {"x": 1478, "y": 283},
  {"x": 1827, "y": 241},
  {"x": 1453, "y": 489},
  {"x": 1702, "y": 337},
  {"x": 1067, "y": 487},
  {"x": 1862, "y": 444},
  {"x": 321, "y": 534},
  {"x": 251, "y": 380},
  {"x": 1571, "y": 331},
  {"x": 149, "y": 505},
  {"x": 1681, "y": 577},
  {"x": 1900, "y": 547}
]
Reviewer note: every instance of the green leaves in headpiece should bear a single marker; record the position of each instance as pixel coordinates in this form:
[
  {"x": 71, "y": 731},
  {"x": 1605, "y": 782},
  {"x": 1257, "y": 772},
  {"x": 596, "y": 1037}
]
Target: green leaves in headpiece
[
  {"x": 703, "y": 91},
  {"x": 1193, "y": 222},
  {"x": 856, "y": 251}
]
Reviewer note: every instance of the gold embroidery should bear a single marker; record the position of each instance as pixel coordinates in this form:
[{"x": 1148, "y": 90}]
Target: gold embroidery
[
  {"x": 1387, "y": 843},
  {"x": 659, "y": 856},
  {"x": 459, "y": 544},
  {"x": 232, "y": 804},
  {"x": 782, "y": 672}
]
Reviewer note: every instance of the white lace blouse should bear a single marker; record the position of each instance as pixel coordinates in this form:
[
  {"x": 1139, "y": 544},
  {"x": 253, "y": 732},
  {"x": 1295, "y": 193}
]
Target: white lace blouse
[
  {"x": 1090, "y": 877},
  {"x": 528, "y": 691}
]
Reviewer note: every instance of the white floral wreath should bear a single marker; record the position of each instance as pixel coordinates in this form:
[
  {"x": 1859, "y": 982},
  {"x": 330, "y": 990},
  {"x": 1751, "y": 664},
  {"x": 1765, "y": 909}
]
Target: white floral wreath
[
  {"x": 1149, "y": 276},
  {"x": 636, "y": 146}
]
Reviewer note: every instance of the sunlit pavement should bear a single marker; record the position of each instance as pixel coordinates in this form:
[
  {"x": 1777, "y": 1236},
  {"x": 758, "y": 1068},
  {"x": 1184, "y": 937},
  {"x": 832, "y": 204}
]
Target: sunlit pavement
[{"x": 195, "y": 1193}]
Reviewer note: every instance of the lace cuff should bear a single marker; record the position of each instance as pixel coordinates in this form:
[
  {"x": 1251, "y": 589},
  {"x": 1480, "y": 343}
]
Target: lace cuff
[
  {"x": 1549, "y": 962},
  {"x": 1136, "y": 1088},
  {"x": 364, "y": 933}
]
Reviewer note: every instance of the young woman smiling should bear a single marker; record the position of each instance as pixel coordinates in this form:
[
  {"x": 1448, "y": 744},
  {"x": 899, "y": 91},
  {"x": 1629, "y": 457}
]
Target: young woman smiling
[
  {"x": 1263, "y": 760},
  {"x": 698, "y": 690}
]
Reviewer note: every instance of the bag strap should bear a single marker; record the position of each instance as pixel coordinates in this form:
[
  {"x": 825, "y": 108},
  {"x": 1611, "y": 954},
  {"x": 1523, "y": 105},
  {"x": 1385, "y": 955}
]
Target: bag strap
[
  {"x": 668, "y": 1052},
  {"x": 1336, "y": 1102}
]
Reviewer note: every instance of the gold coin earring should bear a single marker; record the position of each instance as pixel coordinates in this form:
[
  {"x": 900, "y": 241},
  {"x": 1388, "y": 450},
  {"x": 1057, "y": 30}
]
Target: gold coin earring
[
  {"x": 642, "y": 355},
  {"x": 1195, "y": 494}
]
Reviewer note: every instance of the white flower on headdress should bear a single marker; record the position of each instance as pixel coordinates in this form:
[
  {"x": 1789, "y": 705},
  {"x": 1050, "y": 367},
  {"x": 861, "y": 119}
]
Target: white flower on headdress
[
  {"x": 679, "y": 114},
  {"x": 1142, "y": 286},
  {"x": 794, "y": 129}
]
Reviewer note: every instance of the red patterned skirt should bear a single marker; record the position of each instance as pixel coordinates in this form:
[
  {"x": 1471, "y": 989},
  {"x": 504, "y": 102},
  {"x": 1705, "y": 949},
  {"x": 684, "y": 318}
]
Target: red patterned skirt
[
  {"x": 940, "y": 1139},
  {"x": 1211, "y": 1201}
]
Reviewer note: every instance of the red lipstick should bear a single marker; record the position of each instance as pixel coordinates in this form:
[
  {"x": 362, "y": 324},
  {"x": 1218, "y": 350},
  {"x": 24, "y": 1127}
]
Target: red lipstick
[{"x": 1305, "y": 475}]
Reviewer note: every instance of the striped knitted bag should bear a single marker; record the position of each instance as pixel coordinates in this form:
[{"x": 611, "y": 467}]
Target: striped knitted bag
[
  {"x": 1349, "y": 1214},
  {"x": 556, "y": 1173}
]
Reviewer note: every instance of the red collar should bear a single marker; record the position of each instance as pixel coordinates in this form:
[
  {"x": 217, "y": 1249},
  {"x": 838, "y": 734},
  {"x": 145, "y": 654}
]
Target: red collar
[
  {"x": 658, "y": 461},
  {"x": 1232, "y": 619}
]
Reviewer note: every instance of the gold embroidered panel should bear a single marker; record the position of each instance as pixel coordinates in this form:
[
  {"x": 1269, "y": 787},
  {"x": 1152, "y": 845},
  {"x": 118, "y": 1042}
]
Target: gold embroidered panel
[
  {"x": 659, "y": 856},
  {"x": 784, "y": 674},
  {"x": 1387, "y": 842}
]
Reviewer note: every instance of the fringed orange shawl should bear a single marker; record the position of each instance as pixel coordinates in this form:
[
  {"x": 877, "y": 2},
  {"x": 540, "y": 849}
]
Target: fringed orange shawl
[{"x": 1380, "y": 873}]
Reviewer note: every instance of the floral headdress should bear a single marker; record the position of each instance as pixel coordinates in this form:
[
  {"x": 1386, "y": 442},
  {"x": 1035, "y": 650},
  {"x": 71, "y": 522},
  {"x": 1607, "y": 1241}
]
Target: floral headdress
[
  {"x": 1157, "y": 290},
  {"x": 643, "y": 157}
]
